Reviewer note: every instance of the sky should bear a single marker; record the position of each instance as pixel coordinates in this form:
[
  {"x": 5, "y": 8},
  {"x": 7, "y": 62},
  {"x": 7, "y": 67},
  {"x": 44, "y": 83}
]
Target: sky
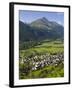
[{"x": 29, "y": 16}]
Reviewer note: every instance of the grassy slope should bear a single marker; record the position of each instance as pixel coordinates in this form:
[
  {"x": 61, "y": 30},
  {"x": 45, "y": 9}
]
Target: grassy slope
[
  {"x": 49, "y": 71},
  {"x": 48, "y": 47},
  {"x": 46, "y": 72}
]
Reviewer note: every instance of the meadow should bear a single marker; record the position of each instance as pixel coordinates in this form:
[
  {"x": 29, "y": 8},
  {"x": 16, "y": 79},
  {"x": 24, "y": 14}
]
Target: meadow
[{"x": 42, "y": 60}]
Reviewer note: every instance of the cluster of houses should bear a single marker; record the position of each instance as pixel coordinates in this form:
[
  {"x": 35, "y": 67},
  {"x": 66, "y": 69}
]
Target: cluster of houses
[{"x": 40, "y": 61}]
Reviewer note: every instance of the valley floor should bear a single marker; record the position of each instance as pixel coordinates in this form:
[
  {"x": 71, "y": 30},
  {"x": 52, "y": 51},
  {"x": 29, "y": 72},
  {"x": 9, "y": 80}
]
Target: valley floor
[{"x": 42, "y": 61}]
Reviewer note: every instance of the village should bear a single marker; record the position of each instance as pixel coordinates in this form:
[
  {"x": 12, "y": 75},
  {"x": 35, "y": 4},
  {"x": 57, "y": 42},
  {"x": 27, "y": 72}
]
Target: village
[{"x": 39, "y": 61}]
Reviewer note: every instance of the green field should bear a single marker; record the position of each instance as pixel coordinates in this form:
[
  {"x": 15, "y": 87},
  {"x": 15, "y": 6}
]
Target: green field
[{"x": 52, "y": 48}]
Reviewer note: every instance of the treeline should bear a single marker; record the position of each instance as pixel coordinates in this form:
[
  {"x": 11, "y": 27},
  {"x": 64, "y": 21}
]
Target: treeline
[{"x": 28, "y": 44}]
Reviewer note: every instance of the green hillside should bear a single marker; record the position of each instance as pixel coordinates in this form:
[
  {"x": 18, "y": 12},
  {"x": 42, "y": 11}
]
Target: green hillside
[{"x": 41, "y": 49}]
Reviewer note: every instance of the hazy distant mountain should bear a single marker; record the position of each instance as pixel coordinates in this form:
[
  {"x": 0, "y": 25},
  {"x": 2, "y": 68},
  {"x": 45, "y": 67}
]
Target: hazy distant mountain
[
  {"x": 44, "y": 23},
  {"x": 40, "y": 29}
]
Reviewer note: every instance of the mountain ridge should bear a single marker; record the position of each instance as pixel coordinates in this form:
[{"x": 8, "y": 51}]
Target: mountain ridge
[
  {"x": 45, "y": 21},
  {"x": 40, "y": 29}
]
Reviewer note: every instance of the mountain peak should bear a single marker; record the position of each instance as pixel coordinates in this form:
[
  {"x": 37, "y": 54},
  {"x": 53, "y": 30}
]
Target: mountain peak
[
  {"x": 40, "y": 29},
  {"x": 40, "y": 22},
  {"x": 43, "y": 22},
  {"x": 44, "y": 18}
]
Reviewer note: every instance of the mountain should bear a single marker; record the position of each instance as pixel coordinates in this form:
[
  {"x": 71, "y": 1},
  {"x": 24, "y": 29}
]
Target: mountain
[
  {"x": 40, "y": 29},
  {"x": 44, "y": 23},
  {"x": 26, "y": 33}
]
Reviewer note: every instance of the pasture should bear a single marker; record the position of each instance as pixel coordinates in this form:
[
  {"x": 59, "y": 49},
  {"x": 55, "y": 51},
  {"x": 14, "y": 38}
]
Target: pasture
[{"x": 45, "y": 60}]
